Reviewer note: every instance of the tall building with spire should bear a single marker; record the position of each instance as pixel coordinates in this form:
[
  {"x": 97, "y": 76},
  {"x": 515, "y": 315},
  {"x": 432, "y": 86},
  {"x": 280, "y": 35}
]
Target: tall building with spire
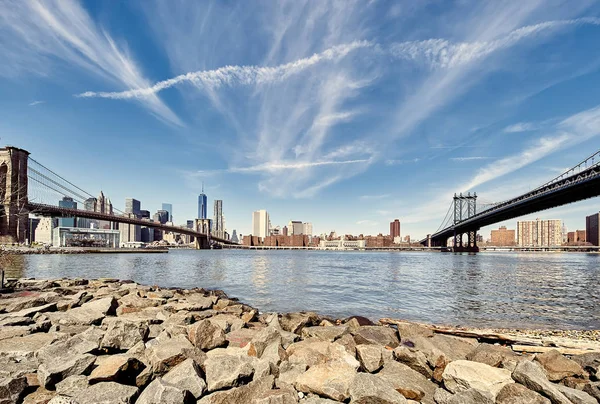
[{"x": 202, "y": 201}]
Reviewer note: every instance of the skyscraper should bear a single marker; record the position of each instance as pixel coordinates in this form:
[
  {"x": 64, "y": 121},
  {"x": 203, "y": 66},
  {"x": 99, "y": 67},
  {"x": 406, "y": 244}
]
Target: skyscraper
[
  {"x": 260, "y": 223},
  {"x": 234, "y": 237},
  {"x": 132, "y": 206},
  {"x": 67, "y": 202},
  {"x": 592, "y": 226},
  {"x": 218, "y": 225},
  {"x": 169, "y": 208},
  {"x": 202, "y": 205},
  {"x": 161, "y": 216},
  {"x": 539, "y": 233},
  {"x": 295, "y": 227},
  {"x": 395, "y": 228},
  {"x": 307, "y": 229}
]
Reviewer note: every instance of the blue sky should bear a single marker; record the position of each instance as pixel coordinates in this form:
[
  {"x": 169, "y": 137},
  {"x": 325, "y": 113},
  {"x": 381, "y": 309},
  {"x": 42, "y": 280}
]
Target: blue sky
[{"x": 345, "y": 114}]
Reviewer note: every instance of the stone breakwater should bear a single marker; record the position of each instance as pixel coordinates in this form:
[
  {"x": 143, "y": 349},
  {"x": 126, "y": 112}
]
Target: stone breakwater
[{"x": 109, "y": 341}]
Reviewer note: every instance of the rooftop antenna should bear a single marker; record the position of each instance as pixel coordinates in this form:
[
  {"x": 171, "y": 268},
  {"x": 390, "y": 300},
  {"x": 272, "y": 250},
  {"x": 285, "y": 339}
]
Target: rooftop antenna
[{"x": 202, "y": 186}]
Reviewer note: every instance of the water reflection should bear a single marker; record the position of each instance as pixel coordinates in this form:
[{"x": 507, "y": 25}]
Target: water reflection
[{"x": 490, "y": 289}]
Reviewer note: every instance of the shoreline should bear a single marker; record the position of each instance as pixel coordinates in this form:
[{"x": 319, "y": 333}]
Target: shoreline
[{"x": 84, "y": 340}]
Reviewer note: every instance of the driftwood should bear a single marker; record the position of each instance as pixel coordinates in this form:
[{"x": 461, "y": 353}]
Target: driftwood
[{"x": 518, "y": 342}]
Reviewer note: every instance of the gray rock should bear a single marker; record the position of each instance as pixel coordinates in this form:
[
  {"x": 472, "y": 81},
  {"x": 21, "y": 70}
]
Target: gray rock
[
  {"x": 370, "y": 357},
  {"x": 294, "y": 322},
  {"x": 82, "y": 343},
  {"x": 590, "y": 362},
  {"x": 330, "y": 333},
  {"x": 187, "y": 376},
  {"x": 367, "y": 388},
  {"x": 26, "y": 346},
  {"x": 313, "y": 351},
  {"x": 495, "y": 355},
  {"x": 107, "y": 393},
  {"x": 62, "y": 400},
  {"x": 30, "y": 312},
  {"x": 558, "y": 367},
  {"x": 205, "y": 335},
  {"x": 119, "y": 368},
  {"x": 159, "y": 392},
  {"x": 72, "y": 385},
  {"x": 518, "y": 394},
  {"x": 59, "y": 368},
  {"x": 593, "y": 389},
  {"x": 347, "y": 341},
  {"x": 240, "y": 338},
  {"x": 410, "y": 383},
  {"x": 7, "y": 332},
  {"x": 228, "y": 370},
  {"x": 576, "y": 396},
  {"x": 168, "y": 353},
  {"x": 15, "y": 321},
  {"x": 243, "y": 394},
  {"x": 470, "y": 396},
  {"x": 327, "y": 380},
  {"x": 414, "y": 359},
  {"x": 376, "y": 335},
  {"x": 123, "y": 334},
  {"x": 532, "y": 376},
  {"x": 312, "y": 399},
  {"x": 410, "y": 330},
  {"x": 462, "y": 375},
  {"x": 289, "y": 372},
  {"x": 11, "y": 389}
]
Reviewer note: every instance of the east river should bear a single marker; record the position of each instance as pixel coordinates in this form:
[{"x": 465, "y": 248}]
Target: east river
[{"x": 501, "y": 289}]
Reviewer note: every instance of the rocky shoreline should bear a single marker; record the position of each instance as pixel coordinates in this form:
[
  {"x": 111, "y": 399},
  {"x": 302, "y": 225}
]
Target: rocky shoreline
[{"x": 110, "y": 341}]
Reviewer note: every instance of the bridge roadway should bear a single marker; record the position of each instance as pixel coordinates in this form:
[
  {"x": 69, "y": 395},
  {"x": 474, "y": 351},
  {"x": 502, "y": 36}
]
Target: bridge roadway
[
  {"x": 582, "y": 185},
  {"x": 50, "y": 210}
]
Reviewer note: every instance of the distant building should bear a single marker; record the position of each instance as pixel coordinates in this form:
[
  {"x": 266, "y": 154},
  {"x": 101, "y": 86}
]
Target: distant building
[
  {"x": 218, "y": 223},
  {"x": 147, "y": 234},
  {"x": 234, "y": 237},
  {"x": 169, "y": 208},
  {"x": 145, "y": 214},
  {"x": 576, "y": 237},
  {"x": 295, "y": 227},
  {"x": 343, "y": 244},
  {"x": 395, "y": 228},
  {"x": 202, "y": 201},
  {"x": 592, "y": 229},
  {"x": 503, "y": 237},
  {"x": 69, "y": 203},
  {"x": 31, "y": 227},
  {"x": 190, "y": 224},
  {"x": 43, "y": 231},
  {"x": 260, "y": 223},
  {"x": 539, "y": 233},
  {"x": 284, "y": 231},
  {"x": 307, "y": 228},
  {"x": 133, "y": 206},
  {"x": 77, "y": 237},
  {"x": 407, "y": 238},
  {"x": 130, "y": 232},
  {"x": 161, "y": 216},
  {"x": 378, "y": 241}
]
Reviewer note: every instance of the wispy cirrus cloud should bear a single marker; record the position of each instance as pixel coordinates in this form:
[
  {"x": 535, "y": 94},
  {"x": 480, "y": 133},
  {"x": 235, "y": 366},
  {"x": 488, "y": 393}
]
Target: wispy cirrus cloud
[
  {"x": 522, "y": 127},
  {"x": 470, "y": 158},
  {"x": 34, "y": 103},
  {"x": 273, "y": 167},
  {"x": 367, "y": 222},
  {"x": 395, "y": 162},
  {"x": 374, "y": 197}
]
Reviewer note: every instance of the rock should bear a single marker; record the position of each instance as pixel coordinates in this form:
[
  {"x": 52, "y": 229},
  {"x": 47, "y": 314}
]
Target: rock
[
  {"x": 294, "y": 322},
  {"x": 57, "y": 369},
  {"x": 557, "y": 367},
  {"x": 576, "y": 396},
  {"x": 118, "y": 368},
  {"x": 160, "y": 391},
  {"x": 144, "y": 378},
  {"x": 205, "y": 335},
  {"x": 376, "y": 335},
  {"x": 240, "y": 338},
  {"x": 367, "y": 388},
  {"x": 39, "y": 396},
  {"x": 72, "y": 385},
  {"x": 515, "y": 393},
  {"x": 410, "y": 330},
  {"x": 313, "y": 352},
  {"x": 266, "y": 339},
  {"x": 347, "y": 341},
  {"x": 7, "y": 332},
  {"x": 462, "y": 375},
  {"x": 62, "y": 400},
  {"x": 328, "y": 380},
  {"x": 11, "y": 389},
  {"x": 289, "y": 372},
  {"x": 370, "y": 357},
  {"x": 168, "y": 353},
  {"x": 248, "y": 316},
  {"x": 442, "y": 396},
  {"x": 123, "y": 334},
  {"x": 495, "y": 355},
  {"x": 410, "y": 383},
  {"x": 82, "y": 343},
  {"x": 450, "y": 347},
  {"x": 134, "y": 300},
  {"x": 243, "y": 394},
  {"x": 15, "y": 321},
  {"x": 30, "y": 312},
  {"x": 228, "y": 370},
  {"x": 325, "y": 333},
  {"x": 532, "y": 376},
  {"x": 590, "y": 362},
  {"x": 593, "y": 389},
  {"x": 279, "y": 396},
  {"x": 312, "y": 399},
  {"x": 91, "y": 312},
  {"x": 470, "y": 396},
  {"x": 414, "y": 359},
  {"x": 106, "y": 393},
  {"x": 187, "y": 376},
  {"x": 26, "y": 346},
  {"x": 227, "y": 322}
]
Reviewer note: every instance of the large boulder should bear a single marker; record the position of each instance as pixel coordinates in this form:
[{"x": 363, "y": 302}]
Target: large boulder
[
  {"x": 593, "y": 389},
  {"x": 11, "y": 389},
  {"x": 331, "y": 380},
  {"x": 576, "y": 396},
  {"x": 30, "y": 312},
  {"x": 376, "y": 335},
  {"x": 26, "y": 346},
  {"x": 532, "y": 376},
  {"x": 168, "y": 353},
  {"x": 410, "y": 383},
  {"x": 495, "y": 355},
  {"x": 590, "y": 362},
  {"x": 106, "y": 393},
  {"x": 325, "y": 333},
  {"x": 295, "y": 322},
  {"x": 244, "y": 394},
  {"x": 159, "y": 392},
  {"x": 123, "y": 334},
  {"x": 240, "y": 338},
  {"x": 82, "y": 343},
  {"x": 187, "y": 376},
  {"x": 53, "y": 371},
  {"x": 71, "y": 385},
  {"x": 414, "y": 359},
  {"x": 515, "y": 393},
  {"x": 557, "y": 367},
  {"x": 118, "y": 368},
  {"x": 366, "y": 388},
  {"x": 462, "y": 375},
  {"x": 91, "y": 312},
  {"x": 228, "y": 368},
  {"x": 205, "y": 335},
  {"x": 470, "y": 396},
  {"x": 370, "y": 357},
  {"x": 314, "y": 351}
]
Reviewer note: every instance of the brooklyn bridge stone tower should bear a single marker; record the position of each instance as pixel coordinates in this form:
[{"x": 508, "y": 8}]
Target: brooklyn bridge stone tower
[{"x": 13, "y": 194}]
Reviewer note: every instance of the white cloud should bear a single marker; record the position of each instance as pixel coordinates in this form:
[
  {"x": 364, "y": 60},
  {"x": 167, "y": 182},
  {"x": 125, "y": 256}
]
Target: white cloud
[
  {"x": 371, "y": 197},
  {"x": 31, "y": 104},
  {"x": 471, "y": 158},
  {"x": 395, "y": 162},
  {"x": 278, "y": 166},
  {"x": 521, "y": 127},
  {"x": 369, "y": 223}
]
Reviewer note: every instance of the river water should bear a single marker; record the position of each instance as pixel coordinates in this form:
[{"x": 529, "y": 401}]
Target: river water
[{"x": 491, "y": 289}]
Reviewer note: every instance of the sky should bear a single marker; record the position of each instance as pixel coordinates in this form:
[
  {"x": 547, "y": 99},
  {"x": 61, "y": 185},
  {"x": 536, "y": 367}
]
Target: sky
[{"x": 347, "y": 114}]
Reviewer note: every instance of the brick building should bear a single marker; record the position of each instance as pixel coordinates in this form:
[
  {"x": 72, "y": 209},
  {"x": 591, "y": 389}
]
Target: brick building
[
  {"x": 503, "y": 237},
  {"x": 395, "y": 228},
  {"x": 592, "y": 229},
  {"x": 576, "y": 237}
]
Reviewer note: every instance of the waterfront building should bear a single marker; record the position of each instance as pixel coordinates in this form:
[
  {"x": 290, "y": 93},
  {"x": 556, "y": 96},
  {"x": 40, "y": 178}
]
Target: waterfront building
[
  {"x": 307, "y": 228},
  {"x": 576, "y": 237},
  {"x": 133, "y": 206},
  {"x": 343, "y": 244},
  {"x": 69, "y": 203},
  {"x": 395, "y": 228},
  {"x": 161, "y": 216},
  {"x": 539, "y": 233},
  {"x": 260, "y": 223},
  {"x": 43, "y": 231},
  {"x": 503, "y": 237},
  {"x": 295, "y": 227},
  {"x": 77, "y": 237},
  {"x": 169, "y": 208},
  {"x": 130, "y": 232},
  {"x": 202, "y": 201},
  {"x": 592, "y": 229},
  {"x": 218, "y": 224},
  {"x": 378, "y": 241},
  {"x": 234, "y": 237}
]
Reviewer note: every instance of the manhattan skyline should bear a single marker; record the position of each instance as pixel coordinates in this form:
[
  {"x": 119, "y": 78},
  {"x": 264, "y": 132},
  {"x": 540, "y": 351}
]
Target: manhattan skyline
[{"x": 375, "y": 111}]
